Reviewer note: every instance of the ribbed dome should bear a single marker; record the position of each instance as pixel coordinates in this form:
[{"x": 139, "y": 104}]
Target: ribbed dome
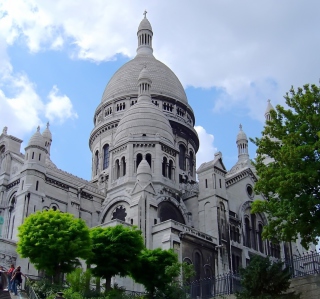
[
  {"x": 269, "y": 107},
  {"x": 144, "y": 168},
  {"x": 241, "y": 135},
  {"x": 144, "y": 119},
  {"x": 37, "y": 139},
  {"x": 46, "y": 133},
  {"x": 164, "y": 81},
  {"x": 145, "y": 24}
]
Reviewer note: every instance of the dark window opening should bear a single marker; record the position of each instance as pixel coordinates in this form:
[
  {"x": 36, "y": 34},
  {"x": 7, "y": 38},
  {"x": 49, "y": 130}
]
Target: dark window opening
[
  {"x": 148, "y": 158},
  {"x": 119, "y": 213},
  {"x": 105, "y": 156},
  {"x": 37, "y": 185},
  {"x": 139, "y": 159},
  {"x": 182, "y": 157}
]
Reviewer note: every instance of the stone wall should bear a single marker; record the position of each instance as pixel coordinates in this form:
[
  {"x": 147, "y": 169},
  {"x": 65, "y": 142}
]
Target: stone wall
[{"x": 308, "y": 286}]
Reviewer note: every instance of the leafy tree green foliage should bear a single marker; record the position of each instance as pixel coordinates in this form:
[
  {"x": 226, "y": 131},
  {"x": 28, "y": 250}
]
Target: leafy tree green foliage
[
  {"x": 115, "y": 251},
  {"x": 53, "y": 241},
  {"x": 263, "y": 279},
  {"x": 290, "y": 183},
  {"x": 156, "y": 269}
]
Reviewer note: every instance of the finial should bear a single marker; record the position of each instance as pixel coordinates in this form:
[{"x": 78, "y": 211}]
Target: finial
[
  {"x": 269, "y": 100},
  {"x": 240, "y": 127},
  {"x": 38, "y": 129},
  {"x": 5, "y": 130},
  {"x": 145, "y": 14},
  {"x": 48, "y": 125}
]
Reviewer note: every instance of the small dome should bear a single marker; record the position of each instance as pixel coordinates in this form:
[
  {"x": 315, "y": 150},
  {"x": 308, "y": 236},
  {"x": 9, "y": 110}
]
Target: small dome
[
  {"x": 145, "y": 25},
  {"x": 144, "y": 74},
  {"x": 37, "y": 139},
  {"x": 144, "y": 168},
  {"x": 144, "y": 119},
  {"x": 241, "y": 135},
  {"x": 46, "y": 133},
  {"x": 269, "y": 107}
]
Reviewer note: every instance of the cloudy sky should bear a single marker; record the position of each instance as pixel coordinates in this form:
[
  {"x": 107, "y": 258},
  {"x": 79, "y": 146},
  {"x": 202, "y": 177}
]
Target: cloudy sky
[{"x": 56, "y": 58}]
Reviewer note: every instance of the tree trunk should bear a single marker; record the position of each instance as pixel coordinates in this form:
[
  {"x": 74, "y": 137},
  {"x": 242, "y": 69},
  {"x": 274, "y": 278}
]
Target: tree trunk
[{"x": 108, "y": 284}]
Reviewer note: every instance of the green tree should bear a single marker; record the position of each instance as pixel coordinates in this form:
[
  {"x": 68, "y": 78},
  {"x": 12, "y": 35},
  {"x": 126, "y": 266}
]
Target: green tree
[
  {"x": 262, "y": 279},
  {"x": 115, "y": 251},
  {"x": 53, "y": 241},
  {"x": 290, "y": 182},
  {"x": 156, "y": 269}
]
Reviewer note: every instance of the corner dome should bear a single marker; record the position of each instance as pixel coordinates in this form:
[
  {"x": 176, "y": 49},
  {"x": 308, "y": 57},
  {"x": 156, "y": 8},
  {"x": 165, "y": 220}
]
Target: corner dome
[
  {"x": 145, "y": 25},
  {"x": 164, "y": 81},
  {"x": 47, "y": 133},
  {"x": 144, "y": 120},
  {"x": 241, "y": 135},
  {"x": 37, "y": 139}
]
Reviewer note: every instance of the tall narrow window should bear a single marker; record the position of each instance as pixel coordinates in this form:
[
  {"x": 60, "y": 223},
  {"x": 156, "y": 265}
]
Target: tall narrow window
[
  {"x": 123, "y": 165},
  {"x": 164, "y": 166},
  {"x": 139, "y": 159},
  {"x": 105, "y": 156},
  {"x": 182, "y": 157},
  {"x": 117, "y": 169},
  {"x": 260, "y": 242},
  {"x": 37, "y": 185},
  {"x": 206, "y": 181},
  {"x": 148, "y": 158},
  {"x": 248, "y": 232},
  {"x": 32, "y": 155},
  {"x": 170, "y": 169},
  {"x": 96, "y": 163},
  {"x": 191, "y": 166},
  {"x": 39, "y": 157}
]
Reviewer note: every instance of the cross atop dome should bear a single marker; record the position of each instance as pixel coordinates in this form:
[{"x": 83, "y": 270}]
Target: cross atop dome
[{"x": 145, "y": 36}]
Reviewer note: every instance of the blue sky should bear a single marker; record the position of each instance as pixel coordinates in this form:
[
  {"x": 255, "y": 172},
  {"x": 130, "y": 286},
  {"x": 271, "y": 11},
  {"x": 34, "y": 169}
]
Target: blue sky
[{"x": 56, "y": 58}]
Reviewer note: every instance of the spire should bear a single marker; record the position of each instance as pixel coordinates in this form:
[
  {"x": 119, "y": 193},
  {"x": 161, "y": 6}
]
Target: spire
[
  {"x": 242, "y": 144},
  {"x": 267, "y": 113},
  {"x": 47, "y": 137},
  {"x": 145, "y": 36},
  {"x": 144, "y": 83}
]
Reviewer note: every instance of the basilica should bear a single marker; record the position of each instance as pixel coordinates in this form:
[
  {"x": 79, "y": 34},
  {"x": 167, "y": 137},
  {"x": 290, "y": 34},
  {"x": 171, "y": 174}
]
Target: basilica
[{"x": 144, "y": 147}]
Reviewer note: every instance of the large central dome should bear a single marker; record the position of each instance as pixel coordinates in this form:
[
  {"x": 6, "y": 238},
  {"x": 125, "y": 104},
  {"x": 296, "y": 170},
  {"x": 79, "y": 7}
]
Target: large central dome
[
  {"x": 164, "y": 81},
  {"x": 124, "y": 81}
]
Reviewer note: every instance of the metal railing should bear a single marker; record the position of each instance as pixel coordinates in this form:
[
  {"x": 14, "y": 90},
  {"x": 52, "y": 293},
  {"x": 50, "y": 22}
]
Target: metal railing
[
  {"x": 210, "y": 287},
  {"x": 306, "y": 264},
  {"x": 29, "y": 289},
  {"x": 229, "y": 283}
]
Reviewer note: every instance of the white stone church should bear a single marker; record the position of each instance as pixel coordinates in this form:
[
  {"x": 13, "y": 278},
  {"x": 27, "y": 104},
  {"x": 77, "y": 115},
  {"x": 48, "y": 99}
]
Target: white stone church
[{"x": 144, "y": 146}]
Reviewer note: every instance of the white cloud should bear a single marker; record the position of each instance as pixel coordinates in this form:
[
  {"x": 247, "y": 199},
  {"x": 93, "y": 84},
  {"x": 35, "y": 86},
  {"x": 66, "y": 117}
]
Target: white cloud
[
  {"x": 59, "y": 107},
  {"x": 252, "y": 51},
  {"x": 207, "y": 148}
]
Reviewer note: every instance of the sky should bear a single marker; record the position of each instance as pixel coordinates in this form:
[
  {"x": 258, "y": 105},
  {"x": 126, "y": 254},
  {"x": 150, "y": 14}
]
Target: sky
[{"x": 56, "y": 57}]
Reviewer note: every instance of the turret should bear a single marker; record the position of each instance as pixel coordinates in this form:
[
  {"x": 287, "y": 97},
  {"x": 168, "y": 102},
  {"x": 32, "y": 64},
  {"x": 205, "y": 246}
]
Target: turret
[
  {"x": 145, "y": 36},
  {"x": 36, "y": 150},
  {"x": 242, "y": 144},
  {"x": 267, "y": 114}
]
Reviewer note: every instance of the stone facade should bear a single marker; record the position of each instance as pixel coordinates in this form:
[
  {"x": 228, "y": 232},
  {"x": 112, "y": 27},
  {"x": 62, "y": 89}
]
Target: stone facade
[{"x": 144, "y": 147}]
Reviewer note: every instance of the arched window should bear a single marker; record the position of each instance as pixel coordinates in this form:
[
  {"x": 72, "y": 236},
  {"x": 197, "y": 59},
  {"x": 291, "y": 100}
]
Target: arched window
[
  {"x": 182, "y": 157},
  {"x": 237, "y": 235},
  {"x": 148, "y": 158},
  {"x": 96, "y": 162},
  {"x": 105, "y": 156},
  {"x": 191, "y": 165},
  {"x": 260, "y": 242},
  {"x": 248, "y": 232},
  {"x": 164, "y": 166},
  {"x": 123, "y": 165},
  {"x": 139, "y": 159},
  {"x": 170, "y": 170},
  {"x": 117, "y": 169}
]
